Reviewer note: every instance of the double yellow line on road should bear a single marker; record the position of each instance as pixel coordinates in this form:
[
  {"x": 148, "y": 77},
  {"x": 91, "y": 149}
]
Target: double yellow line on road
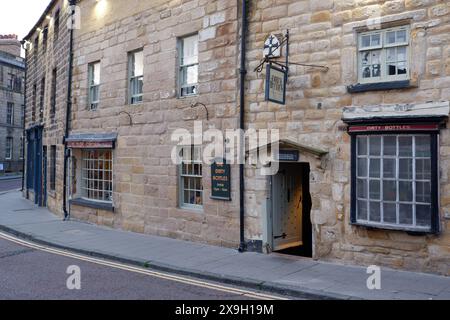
[{"x": 185, "y": 280}]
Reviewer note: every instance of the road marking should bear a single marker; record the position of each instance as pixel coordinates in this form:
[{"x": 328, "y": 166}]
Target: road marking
[{"x": 161, "y": 275}]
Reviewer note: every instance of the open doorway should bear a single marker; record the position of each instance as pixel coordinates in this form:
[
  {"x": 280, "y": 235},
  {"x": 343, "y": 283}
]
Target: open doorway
[{"x": 291, "y": 200}]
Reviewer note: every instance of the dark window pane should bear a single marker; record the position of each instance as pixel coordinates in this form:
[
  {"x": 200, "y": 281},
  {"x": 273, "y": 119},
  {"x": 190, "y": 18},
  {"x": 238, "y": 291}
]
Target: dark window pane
[
  {"x": 423, "y": 169},
  {"x": 389, "y": 190},
  {"x": 405, "y": 189},
  {"x": 406, "y": 214},
  {"x": 392, "y": 69},
  {"x": 374, "y": 190},
  {"x": 362, "y": 188},
  {"x": 390, "y": 212},
  {"x": 389, "y": 168},
  {"x": 362, "y": 146},
  {"x": 423, "y": 192},
  {"x": 362, "y": 210},
  {"x": 375, "y": 167},
  {"x": 375, "y": 214},
  {"x": 423, "y": 216},
  {"x": 405, "y": 146},
  {"x": 405, "y": 169},
  {"x": 375, "y": 146},
  {"x": 390, "y": 145},
  {"x": 362, "y": 167},
  {"x": 423, "y": 146}
]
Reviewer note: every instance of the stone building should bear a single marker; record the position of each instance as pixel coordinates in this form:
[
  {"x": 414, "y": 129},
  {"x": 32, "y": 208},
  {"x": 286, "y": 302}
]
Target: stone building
[
  {"x": 364, "y": 149},
  {"x": 47, "y": 57},
  {"x": 379, "y": 186},
  {"x": 12, "y": 72}
]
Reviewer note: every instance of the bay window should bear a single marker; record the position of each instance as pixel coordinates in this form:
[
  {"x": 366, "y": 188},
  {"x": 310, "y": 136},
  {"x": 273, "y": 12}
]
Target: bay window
[
  {"x": 97, "y": 170},
  {"x": 395, "y": 181}
]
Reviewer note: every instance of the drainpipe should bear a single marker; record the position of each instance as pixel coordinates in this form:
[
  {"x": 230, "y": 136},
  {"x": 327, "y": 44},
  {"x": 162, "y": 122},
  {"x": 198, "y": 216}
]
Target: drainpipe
[
  {"x": 24, "y": 113},
  {"x": 243, "y": 73},
  {"x": 68, "y": 112}
]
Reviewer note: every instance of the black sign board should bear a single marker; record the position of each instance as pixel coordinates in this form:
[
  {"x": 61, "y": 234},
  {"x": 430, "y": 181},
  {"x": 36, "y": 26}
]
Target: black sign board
[
  {"x": 276, "y": 79},
  {"x": 221, "y": 180},
  {"x": 289, "y": 155}
]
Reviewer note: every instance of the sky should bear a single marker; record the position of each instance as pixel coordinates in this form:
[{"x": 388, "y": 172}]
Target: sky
[{"x": 19, "y": 16}]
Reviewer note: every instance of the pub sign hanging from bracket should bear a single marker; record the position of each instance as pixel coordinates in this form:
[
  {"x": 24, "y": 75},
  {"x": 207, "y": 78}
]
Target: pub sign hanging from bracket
[{"x": 277, "y": 73}]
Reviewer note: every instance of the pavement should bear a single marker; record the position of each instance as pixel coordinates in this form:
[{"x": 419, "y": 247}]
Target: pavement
[{"x": 281, "y": 274}]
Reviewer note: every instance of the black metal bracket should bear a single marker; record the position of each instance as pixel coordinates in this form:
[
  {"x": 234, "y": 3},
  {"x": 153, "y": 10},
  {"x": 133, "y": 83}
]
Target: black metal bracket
[
  {"x": 197, "y": 104},
  {"x": 285, "y": 66}
]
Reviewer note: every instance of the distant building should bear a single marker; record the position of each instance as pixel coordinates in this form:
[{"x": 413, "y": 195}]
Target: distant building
[{"x": 12, "y": 73}]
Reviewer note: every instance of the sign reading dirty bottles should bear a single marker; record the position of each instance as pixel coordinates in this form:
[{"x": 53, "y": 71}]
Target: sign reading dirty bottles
[
  {"x": 276, "y": 79},
  {"x": 221, "y": 180}
]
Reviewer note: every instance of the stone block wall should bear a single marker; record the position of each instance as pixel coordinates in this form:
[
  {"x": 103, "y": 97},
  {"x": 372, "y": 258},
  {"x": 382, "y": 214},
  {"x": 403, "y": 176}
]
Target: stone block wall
[
  {"x": 325, "y": 33},
  {"x": 145, "y": 179}
]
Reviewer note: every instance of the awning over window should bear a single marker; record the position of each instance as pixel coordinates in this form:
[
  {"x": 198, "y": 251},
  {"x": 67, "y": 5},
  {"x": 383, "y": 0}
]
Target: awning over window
[
  {"x": 92, "y": 141},
  {"x": 424, "y": 112}
]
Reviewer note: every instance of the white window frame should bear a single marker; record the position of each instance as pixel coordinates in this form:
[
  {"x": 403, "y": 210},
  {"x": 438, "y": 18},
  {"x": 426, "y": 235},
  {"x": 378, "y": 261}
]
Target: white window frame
[
  {"x": 93, "y": 104},
  {"x": 397, "y": 179},
  {"x": 9, "y": 148},
  {"x": 383, "y": 47},
  {"x": 183, "y": 176},
  {"x": 133, "y": 79},
  {"x": 88, "y": 166},
  {"x": 10, "y": 113},
  {"x": 183, "y": 67}
]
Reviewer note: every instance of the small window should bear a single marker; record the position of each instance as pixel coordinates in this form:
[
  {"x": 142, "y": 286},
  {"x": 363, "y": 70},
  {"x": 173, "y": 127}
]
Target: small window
[
  {"x": 384, "y": 55},
  {"x": 191, "y": 177},
  {"x": 188, "y": 75},
  {"x": 94, "y": 85},
  {"x": 44, "y": 39},
  {"x": 53, "y": 94},
  {"x": 56, "y": 26},
  {"x": 42, "y": 100},
  {"x": 394, "y": 180},
  {"x": 52, "y": 168},
  {"x": 136, "y": 76},
  {"x": 33, "y": 111},
  {"x": 9, "y": 148},
  {"x": 36, "y": 48},
  {"x": 10, "y": 113},
  {"x": 97, "y": 171}
]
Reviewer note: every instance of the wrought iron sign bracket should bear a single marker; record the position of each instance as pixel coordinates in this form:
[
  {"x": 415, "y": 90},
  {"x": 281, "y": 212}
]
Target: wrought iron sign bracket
[{"x": 270, "y": 59}]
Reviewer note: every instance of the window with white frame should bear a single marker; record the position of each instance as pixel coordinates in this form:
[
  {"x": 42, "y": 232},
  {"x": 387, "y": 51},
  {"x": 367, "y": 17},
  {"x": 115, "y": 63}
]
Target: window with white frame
[
  {"x": 191, "y": 177},
  {"x": 9, "y": 148},
  {"x": 136, "y": 76},
  {"x": 188, "y": 77},
  {"x": 394, "y": 180},
  {"x": 384, "y": 55},
  {"x": 97, "y": 171},
  {"x": 94, "y": 85},
  {"x": 10, "y": 113}
]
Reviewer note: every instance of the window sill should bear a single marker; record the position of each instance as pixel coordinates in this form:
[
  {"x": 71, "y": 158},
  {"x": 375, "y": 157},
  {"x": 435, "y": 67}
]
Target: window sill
[
  {"x": 93, "y": 204},
  {"x": 379, "y": 86},
  {"x": 409, "y": 230}
]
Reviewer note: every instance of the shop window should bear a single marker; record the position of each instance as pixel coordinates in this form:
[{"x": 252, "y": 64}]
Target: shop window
[
  {"x": 394, "y": 178},
  {"x": 97, "y": 171},
  {"x": 188, "y": 74},
  {"x": 191, "y": 177},
  {"x": 384, "y": 55}
]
